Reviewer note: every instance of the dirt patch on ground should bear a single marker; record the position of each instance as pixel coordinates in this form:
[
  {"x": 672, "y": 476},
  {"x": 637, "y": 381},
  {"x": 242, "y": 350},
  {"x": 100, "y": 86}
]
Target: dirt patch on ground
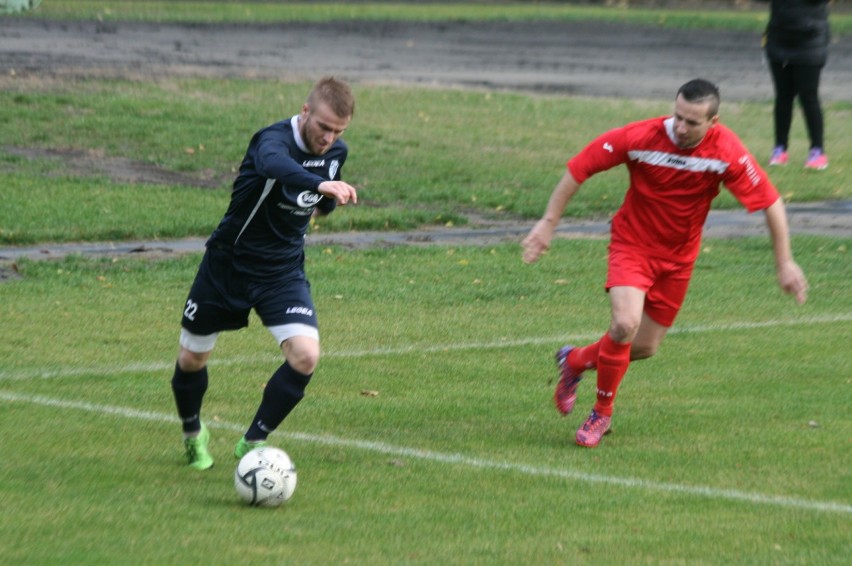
[
  {"x": 585, "y": 58},
  {"x": 825, "y": 218},
  {"x": 119, "y": 169},
  {"x": 579, "y": 58}
]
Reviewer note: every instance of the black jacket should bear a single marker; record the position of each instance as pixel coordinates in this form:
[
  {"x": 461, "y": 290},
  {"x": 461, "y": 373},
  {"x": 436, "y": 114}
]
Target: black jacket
[{"x": 798, "y": 32}]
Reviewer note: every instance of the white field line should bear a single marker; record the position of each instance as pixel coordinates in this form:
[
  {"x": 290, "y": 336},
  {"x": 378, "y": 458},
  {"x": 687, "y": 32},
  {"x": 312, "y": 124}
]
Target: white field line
[
  {"x": 460, "y": 459},
  {"x": 167, "y": 366}
]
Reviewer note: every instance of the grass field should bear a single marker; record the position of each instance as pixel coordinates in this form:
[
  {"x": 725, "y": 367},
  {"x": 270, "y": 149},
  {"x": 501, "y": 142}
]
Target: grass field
[
  {"x": 428, "y": 434},
  {"x": 739, "y": 17},
  {"x": 405, "y": 179},
  {"x": 199, "y": 127}
]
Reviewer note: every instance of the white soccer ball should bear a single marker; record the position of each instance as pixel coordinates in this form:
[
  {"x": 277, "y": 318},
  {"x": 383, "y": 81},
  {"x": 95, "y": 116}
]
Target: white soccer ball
[{"x": 265, "y": 477}]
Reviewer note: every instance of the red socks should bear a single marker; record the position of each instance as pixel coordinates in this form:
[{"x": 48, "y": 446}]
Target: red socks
[
  {"x": 611, "y": 360},
  {"x": 581, "y": 359}
]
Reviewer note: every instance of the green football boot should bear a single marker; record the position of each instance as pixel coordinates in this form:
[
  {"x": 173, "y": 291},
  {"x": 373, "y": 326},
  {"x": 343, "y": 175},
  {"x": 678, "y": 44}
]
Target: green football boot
[
  {"x": 196, "y": 450},
  {"x": 243, "y": 447}
]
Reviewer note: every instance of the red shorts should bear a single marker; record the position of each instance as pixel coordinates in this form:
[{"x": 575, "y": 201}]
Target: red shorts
[{"x": 664, "y": 281}]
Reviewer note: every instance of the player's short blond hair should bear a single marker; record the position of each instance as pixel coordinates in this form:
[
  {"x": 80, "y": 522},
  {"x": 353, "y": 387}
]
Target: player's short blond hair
[{"x": 336, "y": 94}]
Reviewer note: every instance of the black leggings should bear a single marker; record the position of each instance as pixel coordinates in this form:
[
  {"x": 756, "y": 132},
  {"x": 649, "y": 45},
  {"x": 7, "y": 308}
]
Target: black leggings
[{"x": 802, "y": 81}]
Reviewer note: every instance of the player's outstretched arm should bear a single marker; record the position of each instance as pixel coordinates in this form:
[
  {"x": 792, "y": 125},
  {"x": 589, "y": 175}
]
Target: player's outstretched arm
[
  {"x": 791, "y": 278},
  {"x": 341, "y": 192},
  {"x": 538, "y": 240}
]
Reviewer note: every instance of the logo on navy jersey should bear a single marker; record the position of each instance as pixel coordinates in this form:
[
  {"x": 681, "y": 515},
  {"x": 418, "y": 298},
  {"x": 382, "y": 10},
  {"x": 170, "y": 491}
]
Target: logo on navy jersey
[
  {"x": 332, "y": 170},
  {"x": 313, "y": 163},
  {"x": 308, "y": 199}
]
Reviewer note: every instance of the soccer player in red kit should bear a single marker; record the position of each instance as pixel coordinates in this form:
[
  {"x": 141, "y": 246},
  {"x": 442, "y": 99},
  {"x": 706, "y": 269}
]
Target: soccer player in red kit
[{"x": 676, "y": 164}]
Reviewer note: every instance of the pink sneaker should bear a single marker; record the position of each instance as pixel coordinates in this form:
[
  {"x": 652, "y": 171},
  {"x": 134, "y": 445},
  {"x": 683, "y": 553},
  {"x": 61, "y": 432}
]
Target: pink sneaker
[
  {"x": 779, "y": 156},
  {"x": 566, "y": 390},
  {"x": 590, "y": 434},
  {"x": 816, "y": 160}
]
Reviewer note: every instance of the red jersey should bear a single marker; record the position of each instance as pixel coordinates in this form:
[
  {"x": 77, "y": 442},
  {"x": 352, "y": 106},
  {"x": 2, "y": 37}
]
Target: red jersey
[{"x": 671, "y": 188}]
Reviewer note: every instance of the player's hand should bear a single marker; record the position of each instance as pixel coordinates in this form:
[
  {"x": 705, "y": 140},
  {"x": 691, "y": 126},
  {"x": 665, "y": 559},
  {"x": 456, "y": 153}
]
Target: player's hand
[
  {"x": 537, "y": 241},
  {"x": 792, "y": 280},
  {"x": 341, "y": 192}
]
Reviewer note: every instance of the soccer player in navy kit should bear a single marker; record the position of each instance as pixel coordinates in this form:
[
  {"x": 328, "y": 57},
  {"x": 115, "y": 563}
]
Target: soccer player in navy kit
[{"x": 255, "y": 260}]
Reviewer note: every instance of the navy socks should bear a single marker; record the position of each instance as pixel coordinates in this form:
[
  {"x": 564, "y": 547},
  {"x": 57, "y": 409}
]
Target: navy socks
[
  {"x": 189, "y": 389},
  {"x": 283, "y": 392}
]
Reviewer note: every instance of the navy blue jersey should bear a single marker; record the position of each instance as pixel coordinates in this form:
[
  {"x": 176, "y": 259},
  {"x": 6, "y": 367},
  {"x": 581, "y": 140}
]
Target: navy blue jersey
[{"x": 274, "y": 196}]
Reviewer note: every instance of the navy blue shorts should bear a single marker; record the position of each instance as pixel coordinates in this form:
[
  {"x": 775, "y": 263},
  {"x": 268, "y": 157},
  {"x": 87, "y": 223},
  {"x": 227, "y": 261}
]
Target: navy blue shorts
[{"x": 222, "y": 298}]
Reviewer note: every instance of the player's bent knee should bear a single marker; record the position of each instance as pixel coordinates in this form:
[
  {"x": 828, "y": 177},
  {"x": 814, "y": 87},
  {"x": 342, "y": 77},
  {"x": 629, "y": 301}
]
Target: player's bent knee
[
  {"x": 195, "y": 349},
  {"x": 302, "y": 353},
  {"x": 623, "y": 330},
  {"x": 192, "y": 361},
  {"x": 303, "y": 362}
]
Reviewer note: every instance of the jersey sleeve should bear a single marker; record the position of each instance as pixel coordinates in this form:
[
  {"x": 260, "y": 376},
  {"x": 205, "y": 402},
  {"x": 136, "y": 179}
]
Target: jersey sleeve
[
  {"x": 604, "y": 152},
  {"x": 746, "y": 180},
  {"x": 326, "y": 205},
  {"x": 337, "y": 155},
  {"x": 273, "y": 161}
]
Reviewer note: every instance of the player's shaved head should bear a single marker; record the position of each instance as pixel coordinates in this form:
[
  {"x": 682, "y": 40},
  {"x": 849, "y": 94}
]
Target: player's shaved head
[{"x": 701, "y": 90}]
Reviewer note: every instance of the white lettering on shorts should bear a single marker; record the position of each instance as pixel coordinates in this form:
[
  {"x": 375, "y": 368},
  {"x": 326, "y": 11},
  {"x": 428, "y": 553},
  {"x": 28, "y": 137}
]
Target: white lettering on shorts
[{"x": 300, "y": 310}]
